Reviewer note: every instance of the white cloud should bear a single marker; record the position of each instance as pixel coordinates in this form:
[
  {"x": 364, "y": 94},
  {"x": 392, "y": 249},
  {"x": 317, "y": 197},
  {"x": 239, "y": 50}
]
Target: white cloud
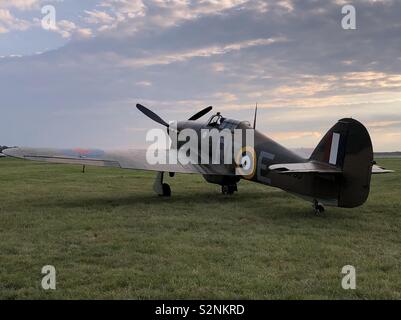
[
  {"x": 144, "y": 83},
  {"x": 68, "y": 29},
  {"x": 65, "y": 28},
  {"x": 8, "y": 22},
  {"x": 82, "y": 33},
  {"x": 125, "y": 8},
  {"x": 98, "y": 17},
  {"x": 225, "y": 96},
  {"x": 286, "y": 4},
  {"x": 169, "y": 58},
  {"x": 160, "y": 13},
  {"x": 19, "y": 4}
]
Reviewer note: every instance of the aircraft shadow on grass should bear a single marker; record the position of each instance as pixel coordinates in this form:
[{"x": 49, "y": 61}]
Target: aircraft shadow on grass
[{"x": 273, "y": 204}]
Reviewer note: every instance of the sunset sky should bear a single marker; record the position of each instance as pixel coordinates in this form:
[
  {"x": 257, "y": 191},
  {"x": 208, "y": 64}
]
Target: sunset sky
[{"x": 78, "y": 84}]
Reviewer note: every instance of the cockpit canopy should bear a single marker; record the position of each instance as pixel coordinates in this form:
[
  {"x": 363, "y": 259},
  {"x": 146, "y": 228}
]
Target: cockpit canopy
[{"x": 216, "y": 120}]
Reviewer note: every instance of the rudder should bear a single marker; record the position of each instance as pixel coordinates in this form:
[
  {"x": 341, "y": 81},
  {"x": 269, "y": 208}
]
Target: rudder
[{"x": 347, "y": 145}]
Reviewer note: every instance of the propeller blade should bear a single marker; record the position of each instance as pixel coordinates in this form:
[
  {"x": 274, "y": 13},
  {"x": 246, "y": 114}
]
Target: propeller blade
[
  {"x": 201, "y": 113},
  {"x": 151, "y": 115}
]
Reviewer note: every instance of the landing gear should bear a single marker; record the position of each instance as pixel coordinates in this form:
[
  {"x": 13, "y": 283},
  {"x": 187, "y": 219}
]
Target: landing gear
[
  {"x": 318, "y": 208},
  {"x": 229, "y": 189},
  {"x": 162, "y": 189},
  {"x": 166, "y": 190}
]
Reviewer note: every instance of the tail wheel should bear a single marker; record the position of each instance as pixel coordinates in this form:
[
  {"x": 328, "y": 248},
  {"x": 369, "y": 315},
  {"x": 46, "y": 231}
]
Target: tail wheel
[{"x": 318, "y": 208}]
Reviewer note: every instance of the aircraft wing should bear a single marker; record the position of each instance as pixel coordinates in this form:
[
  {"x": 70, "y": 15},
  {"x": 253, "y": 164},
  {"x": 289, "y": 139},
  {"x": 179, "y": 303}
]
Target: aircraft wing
[
  {"x": 127, "y": 159},
  {"x": 304, "y": 167},
  {"x": 380, "y": 170}
]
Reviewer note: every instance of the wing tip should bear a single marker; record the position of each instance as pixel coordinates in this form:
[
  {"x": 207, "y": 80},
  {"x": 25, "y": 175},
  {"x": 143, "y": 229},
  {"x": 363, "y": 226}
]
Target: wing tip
[{"x": 10, "y": 152}]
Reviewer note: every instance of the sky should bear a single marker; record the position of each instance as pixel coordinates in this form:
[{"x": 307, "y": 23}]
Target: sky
[{"x": 77, "y": 84}]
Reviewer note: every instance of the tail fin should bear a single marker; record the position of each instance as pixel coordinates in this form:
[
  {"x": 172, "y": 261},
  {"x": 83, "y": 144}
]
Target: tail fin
[{"x": 347, "y": 145}]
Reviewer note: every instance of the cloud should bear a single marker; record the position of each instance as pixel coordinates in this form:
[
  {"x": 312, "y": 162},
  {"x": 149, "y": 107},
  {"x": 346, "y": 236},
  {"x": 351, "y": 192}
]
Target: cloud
[
  {"x": 68, "y": 29},
  {"x": 295, "y": 135},
  {"x": 83, "y": 33},
  {"x": 98, "y": 17},
  {"x": 130, "y": 8},
  {"x": 137, "y": 15},
  {"x": 19, "y": 4},
  {"x": 144, "y": 83},
  {"x": 384, "y": 124},
  {"x": 292, "y": 57},
  {"x": 225, "y": 96},
  {"x": 286, "y": 4},
  {"x": 8, "y": 22},
  {"x": 169, "y": 58}
]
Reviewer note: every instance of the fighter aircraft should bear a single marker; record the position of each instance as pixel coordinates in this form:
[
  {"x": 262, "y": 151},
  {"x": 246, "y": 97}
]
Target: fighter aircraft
[{"x": 338, "y": 172}]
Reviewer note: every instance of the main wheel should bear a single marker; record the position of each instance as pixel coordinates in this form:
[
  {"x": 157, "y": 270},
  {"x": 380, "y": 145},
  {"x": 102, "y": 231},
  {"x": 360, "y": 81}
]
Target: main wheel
[
  {"x": 320, "y": 208},
  {"x": 166, "y": 190},
  {"x": 230, "y": 189}
]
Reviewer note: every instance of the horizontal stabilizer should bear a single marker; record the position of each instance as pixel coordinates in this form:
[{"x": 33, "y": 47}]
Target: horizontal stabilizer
[
  {"x": 316, "y": 167},
  {"x": 305, "y": 167}
]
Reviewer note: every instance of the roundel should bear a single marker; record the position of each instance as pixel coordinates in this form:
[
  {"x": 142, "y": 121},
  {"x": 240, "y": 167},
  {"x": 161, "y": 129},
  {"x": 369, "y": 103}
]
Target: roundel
[{"x": 246, "y": 162}]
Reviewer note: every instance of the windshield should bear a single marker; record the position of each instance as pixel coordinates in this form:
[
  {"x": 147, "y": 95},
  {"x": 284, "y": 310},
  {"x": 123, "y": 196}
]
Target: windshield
[{"x": 215, "y": 120}]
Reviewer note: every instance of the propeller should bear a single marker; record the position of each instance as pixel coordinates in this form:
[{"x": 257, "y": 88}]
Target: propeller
[
  {"x": 157, "y": 119},
  {"x": 201, "y": 113},
  {"x": 151, "y": 115},
  {"x": 256, "y": 114}
]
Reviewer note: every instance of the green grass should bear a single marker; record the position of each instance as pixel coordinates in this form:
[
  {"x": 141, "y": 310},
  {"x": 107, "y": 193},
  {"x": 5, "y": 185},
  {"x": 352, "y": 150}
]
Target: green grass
[{"x": 109, "y": 236}]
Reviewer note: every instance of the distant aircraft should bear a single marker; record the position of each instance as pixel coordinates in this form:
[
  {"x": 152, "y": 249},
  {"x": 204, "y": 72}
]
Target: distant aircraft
[{"x": 338, "y": 172}]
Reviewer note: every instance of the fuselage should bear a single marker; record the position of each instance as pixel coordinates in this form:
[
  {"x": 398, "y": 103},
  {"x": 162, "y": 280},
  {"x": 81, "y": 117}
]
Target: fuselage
[{"x": 264, "y": 153}]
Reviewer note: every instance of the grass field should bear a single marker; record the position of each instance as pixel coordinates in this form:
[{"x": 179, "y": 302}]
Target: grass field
[{"x": 109, "y": 236}]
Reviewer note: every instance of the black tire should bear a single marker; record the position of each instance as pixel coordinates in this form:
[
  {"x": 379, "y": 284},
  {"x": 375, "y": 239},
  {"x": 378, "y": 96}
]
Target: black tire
[
  {"x": 231, "y": 189},
  {"x": 166, "y": 190},
  {"x": 228, "y": 190},
  {"x": 318, "y": 208}
]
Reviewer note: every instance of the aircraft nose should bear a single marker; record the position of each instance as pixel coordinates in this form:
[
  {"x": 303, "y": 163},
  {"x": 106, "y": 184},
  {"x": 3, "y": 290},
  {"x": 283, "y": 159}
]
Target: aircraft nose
[{"x": 181, "y": 125}]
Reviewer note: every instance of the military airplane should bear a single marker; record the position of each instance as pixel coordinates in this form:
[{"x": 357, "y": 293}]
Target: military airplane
[{"x": 338, "y": 172}]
